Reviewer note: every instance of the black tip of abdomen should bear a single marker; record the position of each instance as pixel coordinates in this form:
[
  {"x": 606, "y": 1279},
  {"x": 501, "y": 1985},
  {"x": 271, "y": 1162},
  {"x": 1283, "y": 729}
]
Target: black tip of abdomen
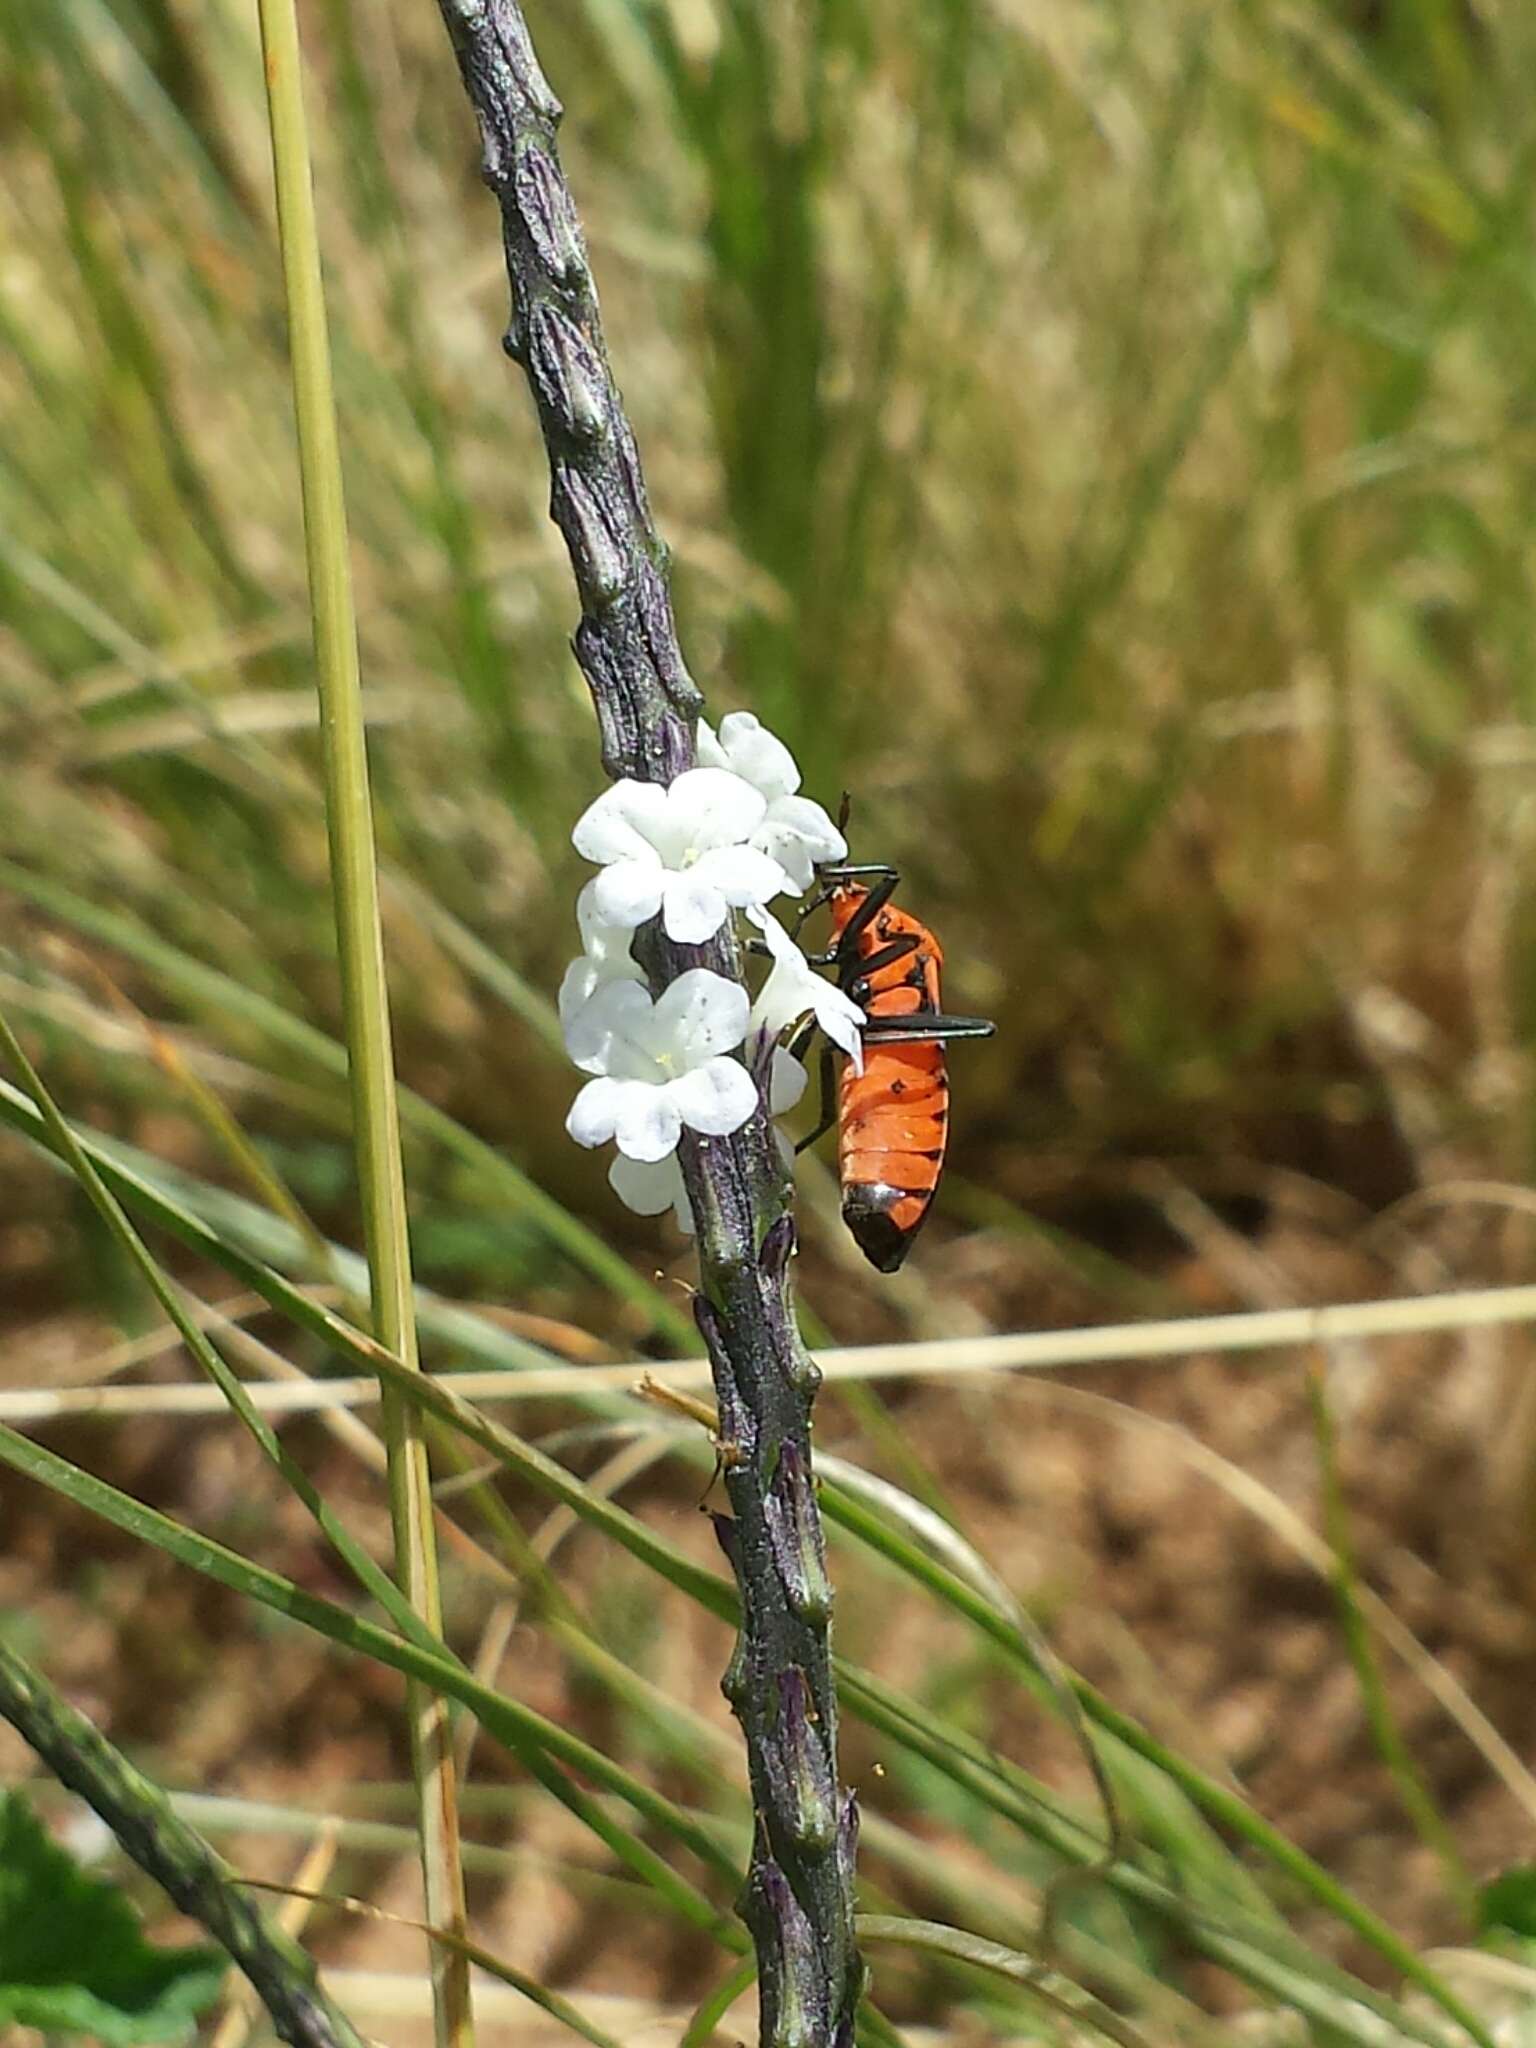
[{"x": 867, "y": 1213}]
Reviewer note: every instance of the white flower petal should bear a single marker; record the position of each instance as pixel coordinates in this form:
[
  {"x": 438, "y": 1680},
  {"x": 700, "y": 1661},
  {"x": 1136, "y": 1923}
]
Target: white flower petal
[
  {"x": 799, "y": 835},
  {"x": 577, "y": 988},
  {"x": 621, "y": 823},
  {"x": 609, "y": 1033},
  {"x": 648, "y": 1123},
  {"x": 716, "y": 1098},
  {"x": 629, "y": 893},
  {"x": 794, "y": 990},
  {"x": 648, "y": 1186},
  {"x": 787, "y": 1082},
  {"x": 711, "y": 807},
  {"x": 708, "y": 748},
  {"x": 783, "y": 1000},
  {"x": 605, "y": 956},
  {"x": 593, "y": 1113},
  {"x": 779, "y": 943},
  {"x": 742, "y": 874},
  {"x": 791, "y": 854},
  {"x": 843, "y": 1021},
  {"x": 756, "y": 753},
  {"x": 702, "y": 1014},
  {"x": 692, "y": 909},
  {"x": 605, "y": 943}
]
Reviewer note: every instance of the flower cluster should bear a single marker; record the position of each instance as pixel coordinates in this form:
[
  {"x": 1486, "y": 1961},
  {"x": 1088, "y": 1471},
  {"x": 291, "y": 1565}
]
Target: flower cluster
[{"x": 729, "y": 835}]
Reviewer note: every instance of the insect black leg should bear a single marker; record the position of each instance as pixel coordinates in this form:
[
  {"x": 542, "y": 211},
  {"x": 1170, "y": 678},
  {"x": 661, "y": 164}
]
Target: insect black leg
[
  {"x": 871, "y": 907},
  {"x": 887, "y": 956},
  {"x": 828, "y": 1102},
  {"x": 830, "y": 875},
  {"x": 925, "y": 1027},
  {"x": 818, "y": 902},
  {"x": 845, "y": 958}
]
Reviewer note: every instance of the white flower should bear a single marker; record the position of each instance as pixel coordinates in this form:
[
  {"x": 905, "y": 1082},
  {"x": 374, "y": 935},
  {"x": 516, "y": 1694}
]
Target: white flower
[
  {"x": 679, "y": 850},
  {"x": 605, "y": 956},
  {"x": 794, "y": 990},
  {"x": 652, "y": 1186},
  {"x": 794, "y": 831},
  {"x": 660, "y": 1066}
]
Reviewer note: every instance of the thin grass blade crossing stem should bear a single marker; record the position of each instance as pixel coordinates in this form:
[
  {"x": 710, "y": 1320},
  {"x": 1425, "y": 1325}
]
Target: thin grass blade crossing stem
[{"x": 365, "y": 999}]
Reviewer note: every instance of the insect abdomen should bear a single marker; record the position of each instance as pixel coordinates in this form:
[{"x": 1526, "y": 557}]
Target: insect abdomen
[{"x": 894, "y": 1121}]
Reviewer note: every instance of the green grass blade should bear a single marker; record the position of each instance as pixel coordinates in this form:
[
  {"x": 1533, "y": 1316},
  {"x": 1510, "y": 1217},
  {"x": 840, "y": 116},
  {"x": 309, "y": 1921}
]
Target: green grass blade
[
  {"x": 194, "y": 980},
  {"x": 1081, "y": 1844},
  {"x": 1304, "y": 1982},
  {"x": 559, "y": 2009},
  {"x": 243, "y": 1239},
  {"x": 1414, "y": 1793},
  {"x": 365, "y": 994},
  {"x": 700, "y": 2030},
  {"x": 367, "y": 1573},
  {"x": 1057, "y": 1993},
  {"x": 1219, "y": 1803},
  {"x": 1253, "y": 1952},
  {"x": 528, "y": 1734},
  {"x": 535, "y": 1468}
]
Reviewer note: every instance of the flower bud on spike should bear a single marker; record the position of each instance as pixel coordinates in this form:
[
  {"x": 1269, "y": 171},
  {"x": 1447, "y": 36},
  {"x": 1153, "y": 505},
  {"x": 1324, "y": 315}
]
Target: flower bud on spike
[
  {"x": 738, "y": 1430},
  {"x": 796, "y": 1756},
  {"x": 545, "y": 206},
  {"x": 566, "y": 372},
  {"x": 599, "y": 558},
  {"x": 794, "y": 2013},
  {"x": 794, "y": 1532}
]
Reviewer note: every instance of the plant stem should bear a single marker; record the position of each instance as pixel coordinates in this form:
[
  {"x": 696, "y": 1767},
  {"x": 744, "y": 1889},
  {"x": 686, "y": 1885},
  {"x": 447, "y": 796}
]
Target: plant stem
[
  {"x": 365, "y": 999},
  {"x": 142, "y": 1818},
  {"x": 798, "y": 1901}
]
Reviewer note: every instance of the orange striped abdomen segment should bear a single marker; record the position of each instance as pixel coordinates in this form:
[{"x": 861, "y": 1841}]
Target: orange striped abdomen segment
[{"x": 891, "y": 1145}]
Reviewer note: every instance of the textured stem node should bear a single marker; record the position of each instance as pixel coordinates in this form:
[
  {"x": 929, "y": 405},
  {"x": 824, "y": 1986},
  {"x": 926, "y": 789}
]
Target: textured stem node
[
  {"x": 801, "y": 1770},
  {"x": 795, "y": 1538}
]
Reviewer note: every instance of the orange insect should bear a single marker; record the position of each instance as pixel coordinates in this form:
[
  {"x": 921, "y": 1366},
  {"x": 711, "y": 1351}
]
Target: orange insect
[{"x": 893, "y": 1119}]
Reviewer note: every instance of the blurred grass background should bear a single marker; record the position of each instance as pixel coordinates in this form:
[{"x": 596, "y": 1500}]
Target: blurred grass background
[{"x": 1099, "y": 436}]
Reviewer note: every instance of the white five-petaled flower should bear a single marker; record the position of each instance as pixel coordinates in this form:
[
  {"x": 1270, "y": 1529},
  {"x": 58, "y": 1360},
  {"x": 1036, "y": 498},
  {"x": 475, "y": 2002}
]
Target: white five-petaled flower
[
  {"x": 652, "y": 1186},
  {"x": 660, "y": 1065},
  {"x": 794, "y": 831},
  {"x": 794, "y": 990},
  {"x": 605, "y": 956},
  {"x": 680, "y": 850}
]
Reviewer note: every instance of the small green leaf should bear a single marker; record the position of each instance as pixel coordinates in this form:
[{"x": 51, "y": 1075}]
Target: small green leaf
[{"x": 72, "y": 1957}]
